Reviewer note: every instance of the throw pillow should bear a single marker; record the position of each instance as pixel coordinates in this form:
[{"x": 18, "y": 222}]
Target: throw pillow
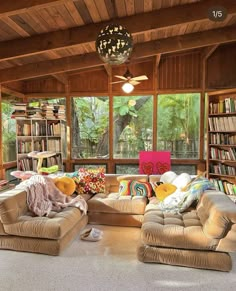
[
  {"x": 124, "y": 188},
  {"x": 89, "y": 181},
  {"x": 138, "y": 188},
  {"x": 164, "y": 190},
  {"x": 135, "y": 188},
  {"x": 65, "y": 184}
]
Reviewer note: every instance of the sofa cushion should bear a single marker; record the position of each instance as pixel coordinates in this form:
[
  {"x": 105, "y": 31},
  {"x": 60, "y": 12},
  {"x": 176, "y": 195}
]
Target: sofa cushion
[
  {"x": 183, "y": 231},
  {"x": 53, "y": 227},
  {"x": 114, "y": 203}
]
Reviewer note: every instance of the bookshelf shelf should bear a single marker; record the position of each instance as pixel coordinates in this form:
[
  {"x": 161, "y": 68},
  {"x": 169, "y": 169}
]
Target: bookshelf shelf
[
  {"x": 39, "y": 135},
  {"x": 221, "y": 140}
]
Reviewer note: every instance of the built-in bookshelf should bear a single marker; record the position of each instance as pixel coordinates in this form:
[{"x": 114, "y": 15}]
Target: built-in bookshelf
[
  {"x": 39, "y": 135},
  {"x": 221, "y": 140}
]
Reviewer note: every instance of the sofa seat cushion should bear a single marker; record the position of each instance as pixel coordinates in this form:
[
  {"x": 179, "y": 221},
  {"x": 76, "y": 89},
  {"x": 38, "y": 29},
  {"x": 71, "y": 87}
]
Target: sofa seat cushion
[
  {"x": 183, "y": 231},
  {"x": 114, "y": 203},
  {"x": 55, "y": 226}
]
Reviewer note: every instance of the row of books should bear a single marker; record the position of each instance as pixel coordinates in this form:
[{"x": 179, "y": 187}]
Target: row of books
[
  {"x": 54, "y": 145},
  {"x": 221, "y": 169},
  {"x": 224, "y": 186},
  {"x": 223, "y": 138},
  {"x": 226, "y": 105},
  {"x": 222, "y": 154},
  {"x": 24, "y": 147},
  {"x": 29, "y": 164},
  {"x": 222, "y": 123}
]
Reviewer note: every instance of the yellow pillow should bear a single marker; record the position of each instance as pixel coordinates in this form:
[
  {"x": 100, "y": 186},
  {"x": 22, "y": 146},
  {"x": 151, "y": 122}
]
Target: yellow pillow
[
  {"x": 65, "y": 184},
  {"x": 164, "y": 190}
]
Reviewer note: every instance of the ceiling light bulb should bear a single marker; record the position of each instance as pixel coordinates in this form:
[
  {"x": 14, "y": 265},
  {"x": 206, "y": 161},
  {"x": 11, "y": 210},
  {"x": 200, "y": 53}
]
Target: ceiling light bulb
[{"x": 127, "y": 87}]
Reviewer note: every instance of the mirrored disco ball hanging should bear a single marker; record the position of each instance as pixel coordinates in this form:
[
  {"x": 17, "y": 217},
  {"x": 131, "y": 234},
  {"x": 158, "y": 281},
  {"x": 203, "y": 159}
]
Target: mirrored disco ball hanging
[{"x": 114, "y": 44}]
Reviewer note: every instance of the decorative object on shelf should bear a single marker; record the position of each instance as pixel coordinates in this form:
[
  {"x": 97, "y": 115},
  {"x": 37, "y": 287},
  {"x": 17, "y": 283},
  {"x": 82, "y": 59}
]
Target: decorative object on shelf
[
  {"x": 40, "y": 156},
  {"x": 114, "y": 44}
]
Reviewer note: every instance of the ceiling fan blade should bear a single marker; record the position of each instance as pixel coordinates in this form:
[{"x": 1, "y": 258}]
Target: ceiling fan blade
[
  {"x": 121, "y": 77},
  {"x": 140, "y": 78},
  {"x": 117, "y": 82},
  {"x": 133, "y": 82}
]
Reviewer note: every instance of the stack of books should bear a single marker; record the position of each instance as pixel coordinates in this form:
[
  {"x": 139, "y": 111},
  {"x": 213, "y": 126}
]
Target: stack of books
[{"x": 19, "y": 110}]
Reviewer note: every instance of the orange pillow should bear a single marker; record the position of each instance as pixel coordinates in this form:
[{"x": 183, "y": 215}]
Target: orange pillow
[
  {"x": 164, "y": 190},
  {"x": 65, "y": 184}
]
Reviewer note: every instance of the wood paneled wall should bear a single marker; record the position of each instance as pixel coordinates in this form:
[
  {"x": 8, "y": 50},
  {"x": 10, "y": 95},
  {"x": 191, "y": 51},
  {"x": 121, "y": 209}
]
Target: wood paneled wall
[
  {"x": 50, "y": 85},
  {"x": 221, "y": 68},
  {"x": 180, "y": 71},
  {"x": 94, "y": 82}
]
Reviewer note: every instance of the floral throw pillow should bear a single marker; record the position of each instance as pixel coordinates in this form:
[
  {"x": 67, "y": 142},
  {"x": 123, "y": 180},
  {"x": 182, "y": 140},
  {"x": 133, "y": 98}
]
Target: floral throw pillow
[{"x": 89, "y": 181}]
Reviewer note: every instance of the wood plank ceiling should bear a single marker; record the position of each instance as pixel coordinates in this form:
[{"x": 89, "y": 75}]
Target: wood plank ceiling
[{"x": 56, "y": 37}]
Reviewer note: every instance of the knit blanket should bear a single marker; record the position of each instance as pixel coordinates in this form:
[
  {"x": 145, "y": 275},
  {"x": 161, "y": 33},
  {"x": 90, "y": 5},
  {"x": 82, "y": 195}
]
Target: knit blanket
[{"x": 43, "y": 196}]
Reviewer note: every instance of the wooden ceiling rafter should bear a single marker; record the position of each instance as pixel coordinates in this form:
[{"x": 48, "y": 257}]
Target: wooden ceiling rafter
[
  {"x": 136, "y": 24},
  {"x": 61, "y": 77},
  {"x": 9, "y": 8},
  {"x": 141, "y": 50}
]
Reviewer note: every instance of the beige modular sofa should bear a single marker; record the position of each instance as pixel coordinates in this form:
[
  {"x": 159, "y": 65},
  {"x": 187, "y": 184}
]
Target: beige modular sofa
[
  {"x": 21, "y": 231},
  {"x": 201, "y": 237}
]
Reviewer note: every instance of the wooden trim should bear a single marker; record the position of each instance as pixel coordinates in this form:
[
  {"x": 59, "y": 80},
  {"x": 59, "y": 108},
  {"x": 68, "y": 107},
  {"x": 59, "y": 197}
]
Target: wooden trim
[{"x": 223, "y": 91}]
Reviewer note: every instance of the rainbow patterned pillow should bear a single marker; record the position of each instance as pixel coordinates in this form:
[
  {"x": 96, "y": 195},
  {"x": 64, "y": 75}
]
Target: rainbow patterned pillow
[{"x": 135, "y": 188}]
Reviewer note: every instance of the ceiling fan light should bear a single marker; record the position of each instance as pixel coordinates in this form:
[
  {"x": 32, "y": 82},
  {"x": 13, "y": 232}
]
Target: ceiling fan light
[{"x": 127, "y": 87}]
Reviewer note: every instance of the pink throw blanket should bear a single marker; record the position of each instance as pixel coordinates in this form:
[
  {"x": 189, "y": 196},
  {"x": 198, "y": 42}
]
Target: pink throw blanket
[{"x": 43, "y": 196}]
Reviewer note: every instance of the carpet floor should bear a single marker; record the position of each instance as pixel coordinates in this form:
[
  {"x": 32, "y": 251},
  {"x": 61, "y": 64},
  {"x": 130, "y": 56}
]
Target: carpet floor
[{"x": 109, "y": 264}]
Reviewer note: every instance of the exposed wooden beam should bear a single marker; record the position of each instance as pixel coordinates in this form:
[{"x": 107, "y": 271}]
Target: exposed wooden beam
[
  {"x": 108, "y": 69},
  {"x": 8, "y": 8},
  {"x": 61, "y": 78},
  {"x": 141, "y": 50},
  {"x": 12, "y": 92},
  {"x": 139, "y": 23},
  {"x": 209, "y": 51}
]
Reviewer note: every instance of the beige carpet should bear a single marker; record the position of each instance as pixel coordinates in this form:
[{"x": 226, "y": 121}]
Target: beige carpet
[{"x": 109, "y": 264}]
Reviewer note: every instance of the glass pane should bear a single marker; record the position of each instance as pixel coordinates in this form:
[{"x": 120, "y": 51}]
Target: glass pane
[
  {"x": 127, "y": 169},
  {"x": 178, "y": 124},
  {"x": 90, "y": 127},
  {"x": 8, "y": 133},
  {"x": 132, "y": 118},
  {"x": 190, "y": 169}
]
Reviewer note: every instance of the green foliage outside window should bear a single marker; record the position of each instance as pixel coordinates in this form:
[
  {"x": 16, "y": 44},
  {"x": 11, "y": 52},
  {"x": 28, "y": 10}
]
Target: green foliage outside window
[
  {"x": 178, "y": 124},
  {"x": 8, "y": 133}
]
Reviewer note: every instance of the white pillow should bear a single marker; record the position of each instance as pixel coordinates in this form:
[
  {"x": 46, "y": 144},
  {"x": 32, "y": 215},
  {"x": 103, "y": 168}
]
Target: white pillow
[
  {"x": 168, "y": 177},
  {"x": 181, "y": 181}
]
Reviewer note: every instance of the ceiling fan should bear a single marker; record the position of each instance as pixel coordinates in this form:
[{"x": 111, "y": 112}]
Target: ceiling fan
[{"x": 129, "y": 78}]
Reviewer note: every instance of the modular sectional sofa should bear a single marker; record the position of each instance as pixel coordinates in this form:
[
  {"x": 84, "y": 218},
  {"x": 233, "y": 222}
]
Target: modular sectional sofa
[{"x": 201, "y": 237}]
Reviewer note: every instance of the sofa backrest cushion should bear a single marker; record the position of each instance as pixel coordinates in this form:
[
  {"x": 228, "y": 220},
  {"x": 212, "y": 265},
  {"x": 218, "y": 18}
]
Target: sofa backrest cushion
[{"x": 217, "y": 214}]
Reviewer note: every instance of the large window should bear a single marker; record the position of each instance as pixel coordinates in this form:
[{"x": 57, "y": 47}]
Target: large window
[
  {"x": 132, "y": 119},
  {"x": 178, "y": 124},
  {"x": 90, "y": 127},
  {"x": 8, "y": 133}
]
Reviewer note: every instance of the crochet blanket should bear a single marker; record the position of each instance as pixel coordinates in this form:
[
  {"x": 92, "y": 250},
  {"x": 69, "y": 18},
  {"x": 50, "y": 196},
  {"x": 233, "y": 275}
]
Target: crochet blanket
[{"x": 43, "y": 196}]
